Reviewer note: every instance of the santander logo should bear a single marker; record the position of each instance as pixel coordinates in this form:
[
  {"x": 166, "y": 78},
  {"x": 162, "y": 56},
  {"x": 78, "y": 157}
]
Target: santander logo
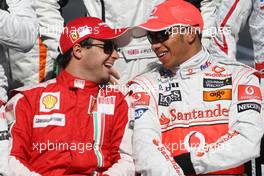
[{"x": 194, "y": 115}]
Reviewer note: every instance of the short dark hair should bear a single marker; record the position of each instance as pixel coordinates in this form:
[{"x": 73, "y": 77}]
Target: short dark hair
[
  {"x": 196, "y": 3},
  {"x": 63, "y": 59}
]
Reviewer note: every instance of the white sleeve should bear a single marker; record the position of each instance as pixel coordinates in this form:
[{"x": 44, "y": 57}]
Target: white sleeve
[
  {"x": 3, "y": 84},
  {"x": 151, "y": 157},
  {"x": 3, "y": 142},
  {"x": 18, "y": 25},
  {"x": 242, "y": 142}
]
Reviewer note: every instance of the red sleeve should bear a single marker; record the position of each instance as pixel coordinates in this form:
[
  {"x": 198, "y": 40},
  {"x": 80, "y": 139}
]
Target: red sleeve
[{"x": 18, "y": 111}]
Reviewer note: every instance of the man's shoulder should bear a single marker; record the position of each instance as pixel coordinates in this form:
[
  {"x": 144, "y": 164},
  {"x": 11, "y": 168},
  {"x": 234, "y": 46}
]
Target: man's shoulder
[
  {"x": 236, "y": 70},
  {"x": 234, "y": 67},
  {"x": 34, "y": 89}
]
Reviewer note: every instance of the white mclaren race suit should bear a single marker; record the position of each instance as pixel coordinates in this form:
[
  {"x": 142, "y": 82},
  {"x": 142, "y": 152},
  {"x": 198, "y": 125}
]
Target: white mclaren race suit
[
  {"x": 230, "y": 17},
  {"x": 208, "y": 115},
  {"x": 18, "y": 30},
  {"x": 37, "y": 65}
]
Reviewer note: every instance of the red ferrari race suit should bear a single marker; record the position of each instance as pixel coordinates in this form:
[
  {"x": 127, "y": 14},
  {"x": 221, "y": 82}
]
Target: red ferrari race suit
[
  {"x": 208, "y": 115},
  {"x": 69, "y": 126}
]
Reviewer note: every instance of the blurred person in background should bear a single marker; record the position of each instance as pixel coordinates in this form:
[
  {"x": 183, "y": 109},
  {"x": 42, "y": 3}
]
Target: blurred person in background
[
  {"x": 37, "y": 65},
  {"x": 18, "y": 31}
]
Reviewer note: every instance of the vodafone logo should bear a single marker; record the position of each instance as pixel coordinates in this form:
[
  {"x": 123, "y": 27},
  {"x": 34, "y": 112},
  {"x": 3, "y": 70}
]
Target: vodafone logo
[
  {"x": 190, "y": 71},
  {"x": 140, "y": 98},
  {"x": 249, "y": 90},
  {"x": 137, "y": 96},
  {"x": 153, "y": 12},
  {"x": 188, "y": 140},
  {"x": 218, "y": 72},
  {"x": 218, "y": 69}
]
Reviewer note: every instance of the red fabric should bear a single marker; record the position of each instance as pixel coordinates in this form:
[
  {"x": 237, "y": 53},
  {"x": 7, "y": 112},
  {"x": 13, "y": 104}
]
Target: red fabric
[
  {"x": 170, "y": 13},
  {"x": 260, "y": 67},
  {"x": 84, "y": 27},
  {"x": 79, "y": 129},
  {"x": 1, "y": 103}
]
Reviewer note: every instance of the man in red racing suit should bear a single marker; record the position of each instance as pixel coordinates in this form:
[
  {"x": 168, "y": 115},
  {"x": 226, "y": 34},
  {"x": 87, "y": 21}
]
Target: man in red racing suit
[{"x": 71, "y": 125}]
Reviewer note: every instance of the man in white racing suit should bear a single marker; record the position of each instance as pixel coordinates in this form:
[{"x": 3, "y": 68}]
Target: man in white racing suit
[
  {"x": 39, "y": 61},
  {"x": 18, "y": 28},
  {"x": 206, "y": 112}
]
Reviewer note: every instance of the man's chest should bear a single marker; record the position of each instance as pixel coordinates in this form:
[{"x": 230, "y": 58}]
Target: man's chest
[{"x": 195, "y": 101}]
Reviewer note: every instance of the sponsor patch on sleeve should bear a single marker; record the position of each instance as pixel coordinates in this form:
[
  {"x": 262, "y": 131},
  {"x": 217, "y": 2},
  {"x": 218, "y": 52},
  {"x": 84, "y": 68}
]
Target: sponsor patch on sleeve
[
  {"x": 249, "y": 92},
  {"x": 241, "y": 107},
  {"x": 139, "y": 112},
  {"x": 140, "y": 98}
]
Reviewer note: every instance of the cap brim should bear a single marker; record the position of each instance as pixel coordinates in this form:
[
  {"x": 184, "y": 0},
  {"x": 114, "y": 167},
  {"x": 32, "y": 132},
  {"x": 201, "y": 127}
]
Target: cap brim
[{"x": 150, "y": 25}]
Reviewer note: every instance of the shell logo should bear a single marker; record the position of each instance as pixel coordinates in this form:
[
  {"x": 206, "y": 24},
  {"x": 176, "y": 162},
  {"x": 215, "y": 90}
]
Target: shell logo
[{"x": 49, "y": 101}]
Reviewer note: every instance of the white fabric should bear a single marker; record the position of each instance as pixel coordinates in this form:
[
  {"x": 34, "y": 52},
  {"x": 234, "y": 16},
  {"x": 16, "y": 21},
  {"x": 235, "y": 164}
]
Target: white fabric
[{"x": 18, "y": 30}]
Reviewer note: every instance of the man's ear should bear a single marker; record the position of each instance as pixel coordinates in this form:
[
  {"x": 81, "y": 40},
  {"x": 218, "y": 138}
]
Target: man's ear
[
  {"x": 191, "y": 36},
  {"x": 77, "y": 51}
]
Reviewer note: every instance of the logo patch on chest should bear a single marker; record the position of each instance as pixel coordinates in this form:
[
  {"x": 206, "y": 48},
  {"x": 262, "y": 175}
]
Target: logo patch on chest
[
  {"x": 41, "y": 121},
  {"x": 222, "y": 94},
  {"x": 216, "y": 83},
  {"x": 166, "y": 100},
  {"x": 49, "y": 101}
]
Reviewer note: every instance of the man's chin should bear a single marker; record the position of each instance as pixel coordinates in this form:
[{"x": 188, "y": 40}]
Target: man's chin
[{"x": 105, "y": 80}]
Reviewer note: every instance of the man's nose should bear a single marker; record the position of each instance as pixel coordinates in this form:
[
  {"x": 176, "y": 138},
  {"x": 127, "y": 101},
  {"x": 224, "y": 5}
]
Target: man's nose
[
  {"x": 155, "y": 46},
  {"x": 115, "y": 55}
]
